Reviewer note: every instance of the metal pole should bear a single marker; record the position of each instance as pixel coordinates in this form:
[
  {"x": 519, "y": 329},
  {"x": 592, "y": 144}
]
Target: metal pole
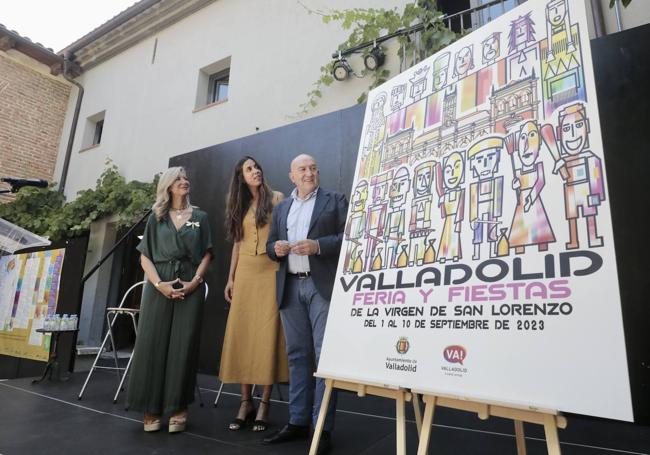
[
  {"x": 119, "y": 242},
  {"x": 617, "y": 10},
  {"x": 75, "y": 119},
  {"x": 599, "y": 20}
]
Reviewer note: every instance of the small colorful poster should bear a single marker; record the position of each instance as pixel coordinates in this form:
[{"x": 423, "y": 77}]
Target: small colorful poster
[
  {"x": 478, "y": 258},
  {"x": 29, "y": 285}
]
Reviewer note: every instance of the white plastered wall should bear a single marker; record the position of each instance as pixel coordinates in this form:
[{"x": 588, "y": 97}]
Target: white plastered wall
[
  {"x": 277, "y": 49},
  {"x": 636, "y": 14}
]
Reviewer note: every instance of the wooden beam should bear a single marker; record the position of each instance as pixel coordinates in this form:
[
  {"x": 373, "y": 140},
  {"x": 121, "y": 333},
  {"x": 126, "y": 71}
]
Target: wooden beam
[
  {"x": 56, "y": 69},
  {"x": 6, "y": 43}
]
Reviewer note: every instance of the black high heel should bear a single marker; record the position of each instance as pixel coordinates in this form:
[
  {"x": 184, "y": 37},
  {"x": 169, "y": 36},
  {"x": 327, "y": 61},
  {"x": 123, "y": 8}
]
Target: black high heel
[
  {"x": 238, "y": 423},
  {"x": 259, "y": 424}
]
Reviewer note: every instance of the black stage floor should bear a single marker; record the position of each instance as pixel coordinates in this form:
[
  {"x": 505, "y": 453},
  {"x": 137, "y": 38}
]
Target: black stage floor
[{"x": 48, "y": 418}]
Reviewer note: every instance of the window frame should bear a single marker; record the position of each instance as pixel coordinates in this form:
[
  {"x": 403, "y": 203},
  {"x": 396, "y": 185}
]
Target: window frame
[
  {"x": 215, "y": 81},
  {"x": 97, "y": 135}
]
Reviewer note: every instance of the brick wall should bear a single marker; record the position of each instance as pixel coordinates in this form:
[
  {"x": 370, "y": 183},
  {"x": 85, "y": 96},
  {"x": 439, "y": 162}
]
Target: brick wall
[{"x": 32, "y": 111}]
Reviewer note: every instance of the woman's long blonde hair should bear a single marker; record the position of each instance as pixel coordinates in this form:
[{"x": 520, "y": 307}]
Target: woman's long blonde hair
[{"x": 163, "y": 198}]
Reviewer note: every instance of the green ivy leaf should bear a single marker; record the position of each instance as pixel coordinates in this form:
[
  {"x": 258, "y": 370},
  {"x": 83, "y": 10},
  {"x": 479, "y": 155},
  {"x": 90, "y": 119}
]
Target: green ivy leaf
[{"x": 44, "y": 211}]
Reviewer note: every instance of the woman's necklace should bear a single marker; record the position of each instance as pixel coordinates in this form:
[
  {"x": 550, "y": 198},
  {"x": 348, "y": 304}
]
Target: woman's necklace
[{"x": 179, "y": 212}]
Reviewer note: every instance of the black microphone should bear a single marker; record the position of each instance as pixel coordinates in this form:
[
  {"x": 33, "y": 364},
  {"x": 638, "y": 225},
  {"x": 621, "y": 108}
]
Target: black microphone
[{"x": 16, "y": 184}]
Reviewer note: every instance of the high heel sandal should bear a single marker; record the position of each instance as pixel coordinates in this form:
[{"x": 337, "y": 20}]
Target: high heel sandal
[
  {"x": 238, "y": 423},
  {"x": 177, "y": 422},
  {"x": 151, "y": 422},
  {"x": 262, "y": 424}
]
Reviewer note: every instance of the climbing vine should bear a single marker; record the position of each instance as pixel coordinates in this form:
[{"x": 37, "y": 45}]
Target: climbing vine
[{"x": 45, "y": 212}]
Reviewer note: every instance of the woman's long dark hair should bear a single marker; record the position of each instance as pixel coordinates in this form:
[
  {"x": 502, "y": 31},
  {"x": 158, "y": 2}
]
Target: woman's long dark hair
[{"x": 239, "y": 201}]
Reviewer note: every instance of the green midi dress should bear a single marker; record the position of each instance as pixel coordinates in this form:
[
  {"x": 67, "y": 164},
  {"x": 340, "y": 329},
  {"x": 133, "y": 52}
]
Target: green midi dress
[{"x": 163, "y": 372}]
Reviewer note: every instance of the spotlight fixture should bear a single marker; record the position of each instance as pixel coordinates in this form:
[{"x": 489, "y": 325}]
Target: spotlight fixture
[
  {"x": 16, "y": 184},
  {"x": 342, "y": 69},
  {"x": 374, "y": 59}
]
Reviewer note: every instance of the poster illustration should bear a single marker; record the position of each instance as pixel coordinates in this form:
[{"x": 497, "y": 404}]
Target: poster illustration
[
  {"x": 478, "y": 256},
  {"x": 29, "y": 289}
]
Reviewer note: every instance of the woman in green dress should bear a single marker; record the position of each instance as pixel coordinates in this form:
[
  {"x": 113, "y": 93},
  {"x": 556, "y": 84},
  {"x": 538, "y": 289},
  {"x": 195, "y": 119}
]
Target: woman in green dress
[{"x": 176, "y": 250}]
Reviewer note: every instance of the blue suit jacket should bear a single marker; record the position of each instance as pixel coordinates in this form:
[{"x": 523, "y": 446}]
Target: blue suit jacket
[{"x": 327, "y": 226}]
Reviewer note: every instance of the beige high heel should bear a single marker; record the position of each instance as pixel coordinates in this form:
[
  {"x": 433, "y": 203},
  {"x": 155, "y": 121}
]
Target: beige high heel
[
  {"x": 177, "y": 422},
  {"x": 151, "y": 422}
]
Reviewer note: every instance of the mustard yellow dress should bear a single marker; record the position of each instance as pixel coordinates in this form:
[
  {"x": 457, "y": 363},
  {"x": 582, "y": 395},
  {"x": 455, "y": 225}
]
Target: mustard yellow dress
[{"x": 254, "y": 349}]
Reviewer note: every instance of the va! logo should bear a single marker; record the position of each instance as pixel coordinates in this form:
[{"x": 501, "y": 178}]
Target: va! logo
[
  {"x": 455, "y": 354},
  {"x": 402, "y": 345}
]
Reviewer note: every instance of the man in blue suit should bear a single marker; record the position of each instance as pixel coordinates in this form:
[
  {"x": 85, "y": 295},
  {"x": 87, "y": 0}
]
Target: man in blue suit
[{"x": 305, "y": 238}]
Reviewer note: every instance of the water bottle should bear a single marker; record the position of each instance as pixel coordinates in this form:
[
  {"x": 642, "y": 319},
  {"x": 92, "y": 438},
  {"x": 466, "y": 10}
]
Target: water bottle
[
  {"x": 65, "y": 323},
  {"x": 73, "y": 322},
  {"x": 57, "y": 322}
]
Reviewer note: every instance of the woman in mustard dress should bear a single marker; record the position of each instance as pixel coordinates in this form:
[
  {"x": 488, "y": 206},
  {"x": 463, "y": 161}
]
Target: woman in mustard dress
[
  {"x": 175, "y": 251},
  {"x": 254, "y": 349}
]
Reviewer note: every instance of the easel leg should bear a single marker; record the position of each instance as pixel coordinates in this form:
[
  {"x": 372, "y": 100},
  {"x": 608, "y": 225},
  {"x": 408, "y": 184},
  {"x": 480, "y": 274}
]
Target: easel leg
[
  {"x": 520, "y": 437},
  {"x": 418, "y": 412},
  {"x": 425, "y": 434},
  {"x": 400, "y": 431},
  {"x": 552, "y": 439},
  {"x": 321, "y": 416}
]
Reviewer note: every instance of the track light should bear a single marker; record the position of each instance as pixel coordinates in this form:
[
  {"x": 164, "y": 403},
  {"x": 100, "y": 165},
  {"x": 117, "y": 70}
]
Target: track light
[
  {"x": 341, "y": 69},
  {"x": 374, "y": 59}
]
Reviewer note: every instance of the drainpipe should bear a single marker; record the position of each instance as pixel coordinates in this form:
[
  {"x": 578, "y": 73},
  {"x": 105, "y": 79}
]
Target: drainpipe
[
  {"x": 617, "y": 10},
  {"x": 73, "y": 128},
  {"x": 598, "y": 18}
]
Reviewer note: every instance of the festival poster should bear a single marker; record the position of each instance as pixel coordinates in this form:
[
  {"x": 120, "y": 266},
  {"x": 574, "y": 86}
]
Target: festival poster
[
  {"x": 28, "y": 294},
  {"x": 478, "y": 257}
]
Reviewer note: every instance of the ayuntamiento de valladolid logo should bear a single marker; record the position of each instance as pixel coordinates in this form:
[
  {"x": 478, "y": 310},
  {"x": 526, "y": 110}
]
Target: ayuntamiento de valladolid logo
[{"x": 402, "y": 363}]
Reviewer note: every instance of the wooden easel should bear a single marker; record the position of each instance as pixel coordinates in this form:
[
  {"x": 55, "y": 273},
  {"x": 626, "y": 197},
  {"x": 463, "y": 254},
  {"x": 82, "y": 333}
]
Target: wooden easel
[
  {"x": 400, "y": 395},
  {"x": 551, "y": 420}
]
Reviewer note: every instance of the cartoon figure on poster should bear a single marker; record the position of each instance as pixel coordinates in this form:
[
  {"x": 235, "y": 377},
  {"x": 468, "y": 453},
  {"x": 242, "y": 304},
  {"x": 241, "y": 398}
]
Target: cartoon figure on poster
[
  {"x": 491, "y": 48},
  {"x": 523, "y": 50},
  {"x": 374, "y": 137},
  {"x": 421, "y": 204},
  {"x": 452, "y": 206},
  {"x": 397, "y": 95},
  {"x": 563, "y": 78},
  {"x": 485, "y": 193},
  {"x": 582, "y": 171},
  {"x": 395, "y": 230},
  {"x": 356, "y": 228},
  {"x": 530, "y": 224},
  {"x": 440, "y": 71},
  {"x": 377, "y": 211},
  {"x": 419, "y": 83},
  {"x": 558, "y": 22},
  {"x": 464, "y": 62}
]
